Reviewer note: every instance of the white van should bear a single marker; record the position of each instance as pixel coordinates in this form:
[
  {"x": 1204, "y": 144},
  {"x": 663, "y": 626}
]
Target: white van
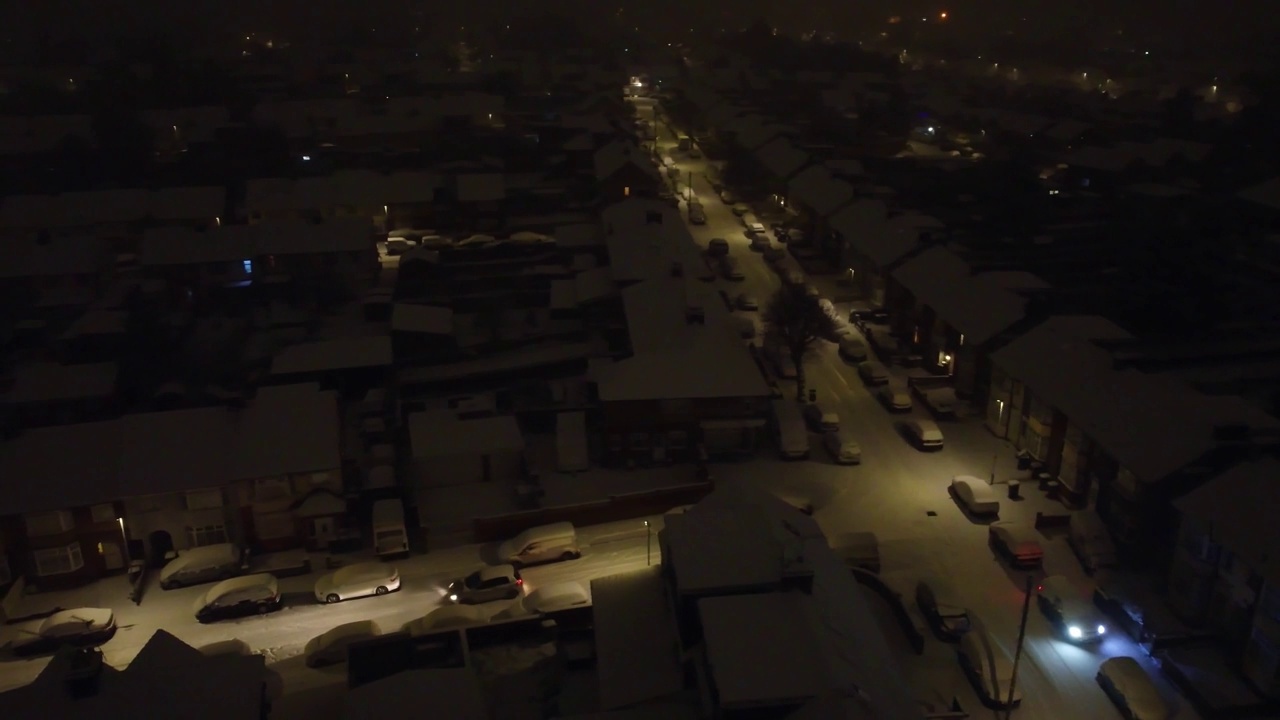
[
  {"x": 790, "y": 431},
  {"x": 545, "y": 543},
  {"x": 925, "y": 434}
]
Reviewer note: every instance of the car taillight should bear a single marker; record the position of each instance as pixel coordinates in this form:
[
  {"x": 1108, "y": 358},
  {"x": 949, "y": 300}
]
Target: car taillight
[{"x": 519, "y": 581}]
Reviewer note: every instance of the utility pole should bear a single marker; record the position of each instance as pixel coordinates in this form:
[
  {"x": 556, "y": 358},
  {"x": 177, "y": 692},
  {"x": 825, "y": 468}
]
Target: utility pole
[
  {"x": 690, "y": 186},
  {"x": 648, "y": 545},
  {"x": 1017, "y": 653}
]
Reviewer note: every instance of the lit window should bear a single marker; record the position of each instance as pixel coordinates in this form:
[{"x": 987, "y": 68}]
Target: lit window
[{"x": 626, "y": 191}]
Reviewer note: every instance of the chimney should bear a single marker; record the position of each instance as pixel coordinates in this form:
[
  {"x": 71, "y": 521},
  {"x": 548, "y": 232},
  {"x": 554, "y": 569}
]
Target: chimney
[{"x": 84, "y": 672}]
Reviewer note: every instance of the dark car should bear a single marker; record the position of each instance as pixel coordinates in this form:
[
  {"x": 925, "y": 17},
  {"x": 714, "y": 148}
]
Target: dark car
[
  {"x": 238, "y": 597},
  {"x": 948, "y": 622},
  {"x": 82, "y": 627}
]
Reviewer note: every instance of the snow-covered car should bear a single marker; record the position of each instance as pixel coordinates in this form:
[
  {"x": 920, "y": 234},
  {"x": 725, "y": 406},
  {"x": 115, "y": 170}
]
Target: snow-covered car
[
  {"x": 449, "y": 616},
  {"x": 924, "y": 434},
  {"x": 81, "y": 627},
  {"x": 747, "y": 301},
  {"x": 556, "y": 597},
  {"x": 201, "y": 565},
  {"x": 873, "y": 372},
  {"x": 1017, "y": 542},
  {"x": 731, "y": 268},
  {"x": 774, "y": 255},
  {"x": 717, "y": 247},
  {"x": 755, "y": 229},
  {"x": 975, "y": 495},
  {"x": 758, "y": 242},
  {"x": 697, "y": 215},
  {"x": 727, "y": 197},
  {"x": 489, "y": 583},
  {"x": 895, "y": 397},
  {"x": 852, "y": 348},
  {"x": 1130, "y": 688},
  {"x": 740, "y": 209},
  {"x": 238, "y": 597},
  {"x": 843, "y": 449},
  {"x": 330, "y": 648},
  {"x": 819, "y": 418},
  {"x": 948, "y": 621},
  {"x": 357, "y": 580},
  {"x": 989, "y": 667},
  {"x": 1063, "y": 605}
]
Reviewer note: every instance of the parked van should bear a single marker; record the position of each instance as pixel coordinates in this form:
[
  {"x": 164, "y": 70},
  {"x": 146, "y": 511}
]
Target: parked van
[
  {"x": 925, "y": 434},
  {"x": 1088, "y": 537},
  {"x": 201, "y": 565},
  {"x": 789, "y": 430},
  {"x": 238, "y": 597},
  {"x": 545, "y": 543}
]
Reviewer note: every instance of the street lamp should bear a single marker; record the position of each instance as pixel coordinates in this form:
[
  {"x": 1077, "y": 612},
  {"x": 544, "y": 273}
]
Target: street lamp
[
  {"x": 128, "y": 557},
  {"x": 648, "y": 545}
]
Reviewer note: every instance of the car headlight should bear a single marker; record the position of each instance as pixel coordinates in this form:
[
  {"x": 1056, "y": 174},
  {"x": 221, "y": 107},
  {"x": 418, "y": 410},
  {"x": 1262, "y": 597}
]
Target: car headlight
[
  {"x": 454, "y": 597},
  {"x": 1075, "y": 632},
  {"x": 1102, "y": 629}
]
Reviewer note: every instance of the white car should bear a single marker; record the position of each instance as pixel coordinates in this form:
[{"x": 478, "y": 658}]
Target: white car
[
  {"x": 755, "y": 228},
  {"x": 843, "y": 449},
  {"x": 1019, "y": 543},
  {"x": 330, "y": 648},
  {"x": 1131, "y": 689},
  {"x": 895, "y": 397},
  {"x": 873, "y": 372},
  {"x": 975, "y": 495},
  {"x": 1066, "y": 607},
  {"x": 852, "y": 348},
  {"x": 358, "y": 580}
]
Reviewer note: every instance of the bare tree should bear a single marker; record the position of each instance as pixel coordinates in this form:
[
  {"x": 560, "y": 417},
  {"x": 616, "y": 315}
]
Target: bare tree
[{"x": 793, "y": 321}]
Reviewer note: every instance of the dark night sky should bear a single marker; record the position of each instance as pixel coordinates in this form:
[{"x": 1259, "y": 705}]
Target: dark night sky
[{"x": 1189, "y": 21}]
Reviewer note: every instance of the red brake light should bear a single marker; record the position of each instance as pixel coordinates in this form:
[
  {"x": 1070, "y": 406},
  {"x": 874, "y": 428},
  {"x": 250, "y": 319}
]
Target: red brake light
[
  {"x": 1039, "y": 588},
  {"x": 519, "y": 581}
]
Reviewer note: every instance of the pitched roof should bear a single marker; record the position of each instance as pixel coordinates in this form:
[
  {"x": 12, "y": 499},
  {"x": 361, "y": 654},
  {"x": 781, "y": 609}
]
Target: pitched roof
[
  {"x": 973, "y": 305},
  {"x": 284, "y": 429},
  {"x": 618, "y": 154},
  {"x": 815, "y": 188},
  {"x": 782, "y": 158},
  {"x": 1238, "y": 508}
]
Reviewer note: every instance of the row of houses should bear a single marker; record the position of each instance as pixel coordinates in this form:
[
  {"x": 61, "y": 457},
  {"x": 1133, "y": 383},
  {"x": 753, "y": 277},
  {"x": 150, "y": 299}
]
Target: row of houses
[{"x": 1140, "y": 447}]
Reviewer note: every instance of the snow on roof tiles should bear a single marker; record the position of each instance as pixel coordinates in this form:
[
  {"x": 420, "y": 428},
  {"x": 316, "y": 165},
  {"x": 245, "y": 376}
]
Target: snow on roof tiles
[
  {"x": 974, "y": 306},
  {"x": 817, "y": 189},
  {"x": 618, "y": 154},
  {"x": 737, "y": 627},
  {"x": 753, "y": 131},
  {"x": 782, "y": 158},
  {"x": 636, "y": 641}
]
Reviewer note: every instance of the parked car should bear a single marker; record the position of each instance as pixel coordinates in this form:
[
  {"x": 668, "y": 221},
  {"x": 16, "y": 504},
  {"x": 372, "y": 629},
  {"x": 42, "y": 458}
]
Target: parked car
[
  {"x": 556, "y": 597},
  {"x": 739, "y": 209},
  {"x": 489, "y": 583},
  {"x": 731, "y": 268},
  {"x": 948, "y": 621},
  {"x": 697, "y": 215},
  {"x": 975, "y": 495},
  {"x": 357, "y": 580},
  {"x": 541, "y": 544},
  {"x": 728, "y": 197},
  {"x": 745, "y": 326},
  {"x": 240, "y": 596},
  {"x": 449, "y": 616},
  {"x": 1091, "y": 541},
  {"x": 988, "y": 667},
  {"x": 201, "y": 565},
  {"x": 843, "y": 449},
  {"x": 853, "y": 349},
  {"x": 718, "y": 247},
  {"x": 694, "y": 152},
  {"x": 819, "y": 419},
  {"x": 924, "y": 434},
  {"x": 873, "y": 372},
  {"x": 81, "y": 627},
  {"x": 1076, "y": 616},
  {"x": 774, "y": 255},
  {"x": 1017, "y": 542},
  {"x": 858, "y": 550},
  {"x": 759, "y": 243},
  {"x": 756, "y": 229},
  {"x": 1130, "y": 688},
  {"x": 895, "y": 397},
  {"x": 746, "y": 301},
  {"x": 330, "y": 648}
]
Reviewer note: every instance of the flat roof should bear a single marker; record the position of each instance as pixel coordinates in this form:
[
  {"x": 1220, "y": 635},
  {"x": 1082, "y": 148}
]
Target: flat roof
[
  {"x": 284, "y": 429},
  {"x": 1153, "y": 425},
  {"x": 454, "y": 693},
  {"x": 761, "y": 649},
  {"x": 717, "y": 548},
  {"x": 1239, "y": 508},
  {"x": 336, "y": 354},
  {"x": 440, "y": 433},
  {"x": 637, "y": 647}
]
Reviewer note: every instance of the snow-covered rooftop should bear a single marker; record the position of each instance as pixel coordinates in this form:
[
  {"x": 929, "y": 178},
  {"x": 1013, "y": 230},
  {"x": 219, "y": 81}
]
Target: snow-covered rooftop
[
  {"x": 821, "y": 192},
  {"x": 441, "y": 433},
  {"x": 637, "y": 649},
  {"x": 166, "y": 680},
  {"x": 761, "y": 649},
  {"x": 712, "y": 549},
  {"x": 185, "y": 246},
  {"x": 782, "y": 158},
  {"x": 645, "y": 238},
  {"x": 285, "y": 429},
  {"x": 973, "y": 305},
  {"x": 1153, "y": 425},
  {"x": 618, "y": 154}
]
